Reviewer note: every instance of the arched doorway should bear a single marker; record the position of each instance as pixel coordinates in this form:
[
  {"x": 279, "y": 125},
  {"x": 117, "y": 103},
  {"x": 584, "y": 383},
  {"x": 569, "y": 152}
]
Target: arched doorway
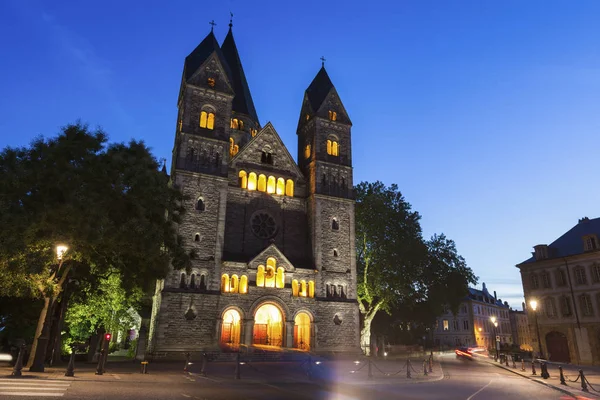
[
  {"x": 302, "y": 331},
  {"x": 268, "y": 326},
  {"x": 230, "y": 328},
  {"x": 558, "y": 347}
]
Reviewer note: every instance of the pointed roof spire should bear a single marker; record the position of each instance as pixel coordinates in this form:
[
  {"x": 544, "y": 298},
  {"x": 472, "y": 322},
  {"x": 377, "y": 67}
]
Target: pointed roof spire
[
  {"x": 212, "y": 25},
  {"x": 208, "y": 45},
  {"x": 230, "y": 20},
  {"x": 242, "y": 102},
  {"x": 319, "y": 88}
]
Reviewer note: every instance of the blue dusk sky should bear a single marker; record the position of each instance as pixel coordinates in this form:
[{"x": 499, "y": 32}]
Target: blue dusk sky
[{"x": 485, "y": 113}]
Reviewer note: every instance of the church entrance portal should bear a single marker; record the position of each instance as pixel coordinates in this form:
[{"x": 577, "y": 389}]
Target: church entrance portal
[
  {"x": 302, "y": 331},
  {"x": 268, "y": 326},
  {"x": 230, "y": 329},
  {"x": 558, "y": 347}
]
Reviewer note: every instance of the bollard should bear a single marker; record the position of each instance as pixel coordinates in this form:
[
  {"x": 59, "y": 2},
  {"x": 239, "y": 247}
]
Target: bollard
[
  {"x": 71, "y": 366},
  {"x": 203, "y": 369},
  {"x": 144, "y": 369},
  {"x": 583, "y": 383},
  {"x": 100, "y": 367},
  {"x": 19, "y": 364},
  {"x": 431, "y": 363},
  {"x": 523, "y": 365},
  {"x": 370, "y": 376},
  {"x": 408, "y": 367},
  {"x": 506, "y": 360},
  {"x": 562, "y": 376},
  {"x": 425, "y": 367},
  {"x": 187, "y": 362},
  {"x": 544, "y": 373},
  {"x": 514, "y": 362},
  {"x": 533, "y": 368},
  {"x": 237, "y": 366}
]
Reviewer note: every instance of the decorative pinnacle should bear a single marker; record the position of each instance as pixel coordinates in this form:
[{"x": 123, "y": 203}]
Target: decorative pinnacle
[
  {"x": 230, "y": 19},
  {"x": 212, "y": 23},
  {"x": 322, "y": 61}
]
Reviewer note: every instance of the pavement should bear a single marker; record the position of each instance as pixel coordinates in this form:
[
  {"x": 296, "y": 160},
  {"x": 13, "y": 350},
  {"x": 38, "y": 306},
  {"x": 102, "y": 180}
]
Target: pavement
[{"x": 452, "y": 378}]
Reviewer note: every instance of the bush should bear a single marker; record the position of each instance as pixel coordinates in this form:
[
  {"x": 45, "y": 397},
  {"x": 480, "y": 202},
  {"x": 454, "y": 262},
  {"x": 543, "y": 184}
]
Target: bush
[{"x": 132, "y": 348}]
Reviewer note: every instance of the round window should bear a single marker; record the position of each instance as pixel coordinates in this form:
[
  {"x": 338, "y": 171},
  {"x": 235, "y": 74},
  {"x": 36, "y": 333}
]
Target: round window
[{"x": 263, "y": 225}]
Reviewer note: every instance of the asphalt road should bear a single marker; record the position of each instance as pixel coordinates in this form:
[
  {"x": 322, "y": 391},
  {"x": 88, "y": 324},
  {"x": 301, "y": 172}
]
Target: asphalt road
[{"x": 463, "y": 380}]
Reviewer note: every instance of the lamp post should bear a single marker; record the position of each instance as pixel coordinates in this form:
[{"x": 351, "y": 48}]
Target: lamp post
[
  {"x": 533, "y": 303},
  {"x": 493, "y": 319}
]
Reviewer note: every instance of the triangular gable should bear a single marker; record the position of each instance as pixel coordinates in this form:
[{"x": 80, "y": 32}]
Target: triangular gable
[
  {"x": 267, "y": 138},
  {"x": 271, "y": 251},
  {"x": 214, "y": 68},
  {"x": 333, "y": 102}
]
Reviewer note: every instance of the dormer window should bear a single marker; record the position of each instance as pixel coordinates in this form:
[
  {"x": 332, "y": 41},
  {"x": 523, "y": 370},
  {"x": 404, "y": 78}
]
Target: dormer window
[
  {"x": 590, "y": 243},
  {"x": 332, "y": 115},
  {"x": 211, "y": 82},
  {"x": 541, "y": 251}
]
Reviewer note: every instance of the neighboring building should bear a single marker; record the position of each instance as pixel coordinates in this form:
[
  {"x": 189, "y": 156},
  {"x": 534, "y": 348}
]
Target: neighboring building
[
  {"x": 472, "y": 326},
  {"x": 275, "y": 260},
  {"x": 564, "y": 278},
  {"x": 519, "y": 324}
]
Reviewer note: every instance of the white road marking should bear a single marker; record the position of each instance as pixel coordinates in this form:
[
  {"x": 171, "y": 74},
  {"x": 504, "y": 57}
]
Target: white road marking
[
  {"x": 116, "y": 376},
  {"x": 39, "y": 388},
  {"x": 32, "y": 394},
  {"x": 33, "y": 383},
  {"x": 29, "y": 388},
  {"x": 475, "y": 394},
  {"x": 185, "y": 395}
]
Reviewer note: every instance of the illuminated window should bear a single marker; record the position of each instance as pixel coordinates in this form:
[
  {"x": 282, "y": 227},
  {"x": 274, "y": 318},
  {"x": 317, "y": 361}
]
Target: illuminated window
[
  {"x": 234, "y": 284},
  {"x": 203, "y": 119},
  {"x": 311, "y": 289},
  {"x": 328, "y": 146},
  {"x": 260, "y": 276},
  {"x": 211, "y": 82},
  {"x": 307, "y": 117},
  {"x": 262, "y": 183},
  {"x": 302, "y": 288},
  {"x": 280, "y": 279},
  {"x": 243, "y": 284},
  {"x": 445, "y": 323},
  {"x": 233, "y": 148},
  {"x": 270, "y": 272},
  {"x": 241, "y": 126},
  {"x": 333, "y": 148},
  {"x": 225, "y": 283},
  {"x": 289, "y": 188},
  {"x": 307, "y": 151},
  {"x": 332, "y": 115},
  {"x": 230, "y": 328},
  {"x": 302, "y": 331},
  {"x": 234, "y": 123},
  {"x": 280, "y": 186},
  {"x": 243, "y": 179},
  {"x": 253, "y": 132},
  {"x": 252, "y": 181},
  {"x": 207, "y": 119},
  {"x": 271, "y": 184},
  {"x": 295, "y": 288},
  {"x": 211, "y": 121}
]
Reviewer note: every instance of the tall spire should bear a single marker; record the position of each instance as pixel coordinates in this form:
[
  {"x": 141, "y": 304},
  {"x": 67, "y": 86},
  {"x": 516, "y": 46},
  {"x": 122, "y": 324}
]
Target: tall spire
[
  {"x": 230, "y": 20},
  {"x": 319, "y": 88},
  {"x": 242, "y": 102},
  {"x": 195, "y": 59}
]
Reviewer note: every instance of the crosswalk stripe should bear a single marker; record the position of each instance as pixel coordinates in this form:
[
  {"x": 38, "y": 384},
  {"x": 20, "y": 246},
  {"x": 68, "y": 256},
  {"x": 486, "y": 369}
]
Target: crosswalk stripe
[
  {"x": 31, "y": 382},
  {"x": 39, "y": 394},
  {"x": 29, "y": 387},
  {"x": 35, "y": 383}
]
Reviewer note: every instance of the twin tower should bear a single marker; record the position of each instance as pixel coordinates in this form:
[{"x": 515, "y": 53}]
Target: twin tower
[{"x": 273, "y": 239}]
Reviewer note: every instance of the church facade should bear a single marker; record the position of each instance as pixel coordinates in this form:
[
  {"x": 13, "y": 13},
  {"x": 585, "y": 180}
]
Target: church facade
[{"x": 273, "y": 239}]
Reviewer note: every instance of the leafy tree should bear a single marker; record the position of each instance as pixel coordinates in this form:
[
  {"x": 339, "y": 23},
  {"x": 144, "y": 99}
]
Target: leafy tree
[
  {"x": 398, "y": 272},
  {"x": 107, "y": 203}
]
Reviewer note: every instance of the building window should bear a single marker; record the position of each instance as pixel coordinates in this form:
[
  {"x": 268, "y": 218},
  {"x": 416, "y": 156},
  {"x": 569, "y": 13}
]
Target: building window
[
  {"x": 335, "y": 225},
  {"x": 233, "y": 148},
  {"x": 307, "y": 117},
  {"x": 271, "y": 184},
  {"x": 225, "y": 283},
  {"x": 289, "y": 188},
  {"x": 565, "y": 305},
  {"x": 197, "y": 237},
  {"x": 303, "y": 288},
  {"x": 231, "y": 328},
  {"x": 586, "y": 305},
  {"x": 251, "y": 181},
  {"x": 333, "y": 147},
  {"x": 211, "y": 82},
  {"x": 335, "y": 252},
  {"x": 455, "y": 325},
  {"x": 561, "y": 277},
  {"x": 596, "y": 273},
  {"x": 535, "y": 283},
  {"x": 243, "y": 179},
  {"x": 549, "y": 307},
  {"x": 580, "y": 277},
  {"x": 207, "y": 119},
  {"x": 591, "y": 243},
  {"x": 307, "y": 151},
  {"x": 262, "y": 183},
  {"x": 243, "y": 284},
  {"x": 280, "y": 187},
  {"x": 200, "y": 206},
  {"x": 546, "y": 280},
  {"x": 266, "y": 157},
  {"x": 466, "y": 325},
  {"x": 445, "y": 324},
  {"x": 183, "y": 282},
  {"x": 332, "y": 115},
  {"x": 253, "y": 132},
  {"x": 234, "y": 123}
]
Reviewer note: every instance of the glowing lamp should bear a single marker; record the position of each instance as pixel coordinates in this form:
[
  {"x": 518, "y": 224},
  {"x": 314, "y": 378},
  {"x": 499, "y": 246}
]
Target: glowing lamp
[
  {"x": 61, "y": 249},
  {"x": 107, "y": 337},
  {"x": 533, "y": 304}
]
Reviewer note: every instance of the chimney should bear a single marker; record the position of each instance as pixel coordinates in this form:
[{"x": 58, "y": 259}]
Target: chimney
[
  {"x": 584, "y": 219},
  {"x": 484, "y": 287},
  {"x": 495, "y": 298},
  {"x": 523, "y": 304}
]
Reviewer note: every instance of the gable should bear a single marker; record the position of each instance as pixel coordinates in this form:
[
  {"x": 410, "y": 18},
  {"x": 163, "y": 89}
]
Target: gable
[
  {"x": 267, "y": 140},
  {"x": 333, "y": 102},
  {"x": 212, "y": 68},
  {"x": 274, "y": 252}
]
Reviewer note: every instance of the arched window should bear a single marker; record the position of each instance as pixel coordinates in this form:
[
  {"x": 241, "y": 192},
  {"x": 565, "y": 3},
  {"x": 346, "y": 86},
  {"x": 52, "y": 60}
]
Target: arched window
[
  {"x": 262, "y": 183},
  {"x": 234, "y": 123},
  {"x": 207, "y": 119},
  {"x": 311, "y": 289},
  {"x": 328, "y": 290},
  {"x": 253, "y": 132},
  {"x": 243, "y": 179},
  {"x": 271, "y": 184},
  {"x": 335, "y": 149},
  {"x": 233, "y": 148},
  {"x": 270, "y": 272},
  {"x": 182, "y": 282},
  {"x": 328, "y": 146},
  {"x": 303, "y": 288},
  {"x": 200, "y": 206},
  {"x": 289, "y": 188},
  {"x": 193, "y": 282},
  {"x": 241, "y": 125},
  {"x": 260, "y": 276},
  {"x": 332, "y": 115},
  {"x": 230, "y": 328},
  {"x": 203, "y": 119},
  {"x": 335, "y": 253},
  {"x": 211, "y": 82},
  {"x": 225, "y": 283},
  {"x": 202, "y": 282},
  {"x": 335, "y": 225},
  {"x": 234, "y": 284},
  {"x": 302, "y": 331},
  {"x": 211, "y": 121},
  {"x": 280, "y": 186},
  {"x": 252, "y": 181},
  {"x": 280, "y": 279},
  {"x": 295, "y": 288},
  {"x": 197, "y": 237},
  {"x": 307, "y": 151},
  {"x": 243, "y": 284}
]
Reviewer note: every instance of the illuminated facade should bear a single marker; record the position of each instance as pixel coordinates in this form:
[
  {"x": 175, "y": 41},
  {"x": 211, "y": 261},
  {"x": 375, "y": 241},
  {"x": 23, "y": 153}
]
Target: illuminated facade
[{"x": 273, "y": 238}]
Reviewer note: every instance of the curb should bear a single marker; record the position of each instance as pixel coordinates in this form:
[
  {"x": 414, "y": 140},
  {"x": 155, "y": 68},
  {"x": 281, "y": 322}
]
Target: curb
[{"x": 575, "y": 396}]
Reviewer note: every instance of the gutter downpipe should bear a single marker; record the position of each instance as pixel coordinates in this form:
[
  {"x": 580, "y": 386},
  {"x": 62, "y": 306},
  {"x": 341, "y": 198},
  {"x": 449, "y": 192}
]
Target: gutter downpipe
[{"x": 574, "y": 306}]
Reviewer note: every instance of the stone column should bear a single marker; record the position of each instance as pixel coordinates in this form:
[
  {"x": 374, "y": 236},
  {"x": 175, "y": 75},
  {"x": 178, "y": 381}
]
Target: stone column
[
  {"x": 248, "y": 331},
  {"x": 289, "y": 325}
]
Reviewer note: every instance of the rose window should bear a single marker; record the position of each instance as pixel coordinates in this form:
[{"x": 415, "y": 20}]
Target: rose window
[{"x": 263, "y": 226}]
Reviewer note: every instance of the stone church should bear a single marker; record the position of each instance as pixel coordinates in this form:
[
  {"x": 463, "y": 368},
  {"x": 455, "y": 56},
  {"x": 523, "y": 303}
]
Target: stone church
[{"x": 275, "y": 259}]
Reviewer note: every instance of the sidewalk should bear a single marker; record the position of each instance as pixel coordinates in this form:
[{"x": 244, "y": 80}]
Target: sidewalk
[{"x": 571, "y": 372}]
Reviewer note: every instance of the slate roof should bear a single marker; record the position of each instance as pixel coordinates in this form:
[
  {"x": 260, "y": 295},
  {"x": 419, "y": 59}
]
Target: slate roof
[
  {"x": 571, "y": 242},
  {"x": 474, "y": 294},
  {"x": 242, "y": 102},
  {"x": 318, "y": 89},
  {"x": 201, "y": 53}
]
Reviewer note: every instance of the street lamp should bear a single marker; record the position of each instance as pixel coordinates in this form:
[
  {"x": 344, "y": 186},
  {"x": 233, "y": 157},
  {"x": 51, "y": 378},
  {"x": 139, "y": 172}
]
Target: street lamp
[
  {"x": 61, "y": 249},
  {"x": 533, "y": 303},
  {"x": 493, "y": 319}
]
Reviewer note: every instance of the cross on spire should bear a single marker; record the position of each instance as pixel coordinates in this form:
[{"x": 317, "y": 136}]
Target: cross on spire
[
  {"x": 230, "y": 19},
  {"x": 212, "y": 23},
  {"x": 322, "y": 61}
]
